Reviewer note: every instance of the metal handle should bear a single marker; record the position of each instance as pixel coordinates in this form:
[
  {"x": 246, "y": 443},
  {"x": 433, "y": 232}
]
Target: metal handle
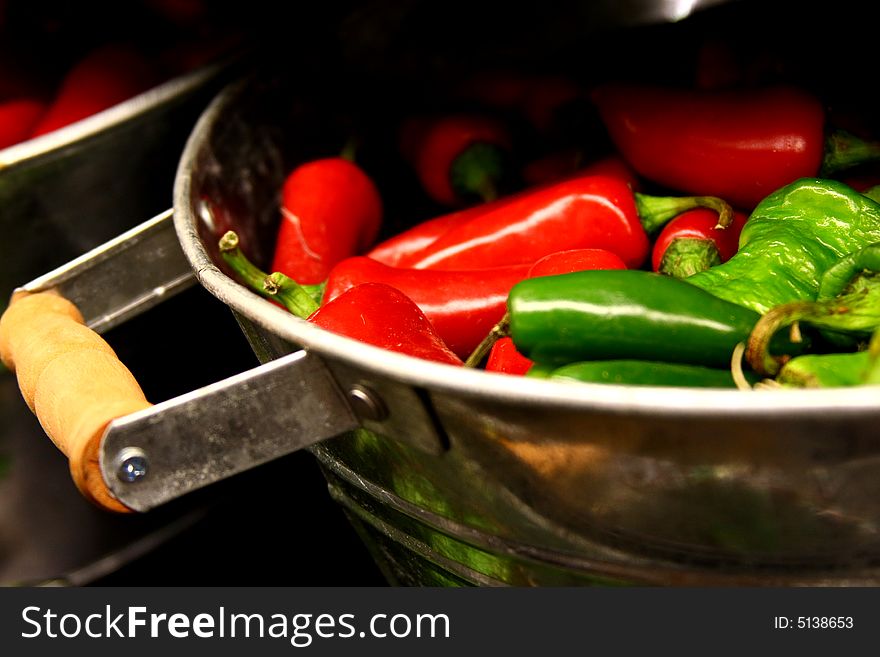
[{"x": 127, "y": 454}]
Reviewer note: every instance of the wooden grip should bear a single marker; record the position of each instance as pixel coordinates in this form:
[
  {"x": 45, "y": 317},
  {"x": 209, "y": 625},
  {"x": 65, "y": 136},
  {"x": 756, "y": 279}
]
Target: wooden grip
[{"x": 71, "y": 379}]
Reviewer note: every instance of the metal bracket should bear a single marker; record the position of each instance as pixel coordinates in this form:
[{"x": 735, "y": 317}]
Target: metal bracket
[
  {"x": 123, "y": 277},
  {"x": 173, "y": 448}
]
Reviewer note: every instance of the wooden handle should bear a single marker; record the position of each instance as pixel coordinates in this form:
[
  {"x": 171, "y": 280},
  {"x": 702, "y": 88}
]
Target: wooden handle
[{"x": 71, "y": 379}]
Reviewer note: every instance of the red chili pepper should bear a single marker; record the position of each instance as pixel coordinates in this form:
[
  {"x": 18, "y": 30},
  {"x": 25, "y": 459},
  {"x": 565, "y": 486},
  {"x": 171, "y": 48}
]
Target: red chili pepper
[
  {"x": 691, "y": 243},
  {"x": 458, "y": 158},
  {"x": 374, "y": 313},
  {"x": 461, "y": 305},
  {"x": 408, "y": 244},
  {"x": 105, "y": 77},
  {"x": 583, "y": 212},
  {"x": 383, "y": 316},
  {"x": 737, "y": 144},
  {"x": 18, "y": 118},
  {"x": 330, "y": 210},
  {"x": 405, "y": 246},
  {"x": 504, "y": 356},
  {"x": 564, "y": 164}
]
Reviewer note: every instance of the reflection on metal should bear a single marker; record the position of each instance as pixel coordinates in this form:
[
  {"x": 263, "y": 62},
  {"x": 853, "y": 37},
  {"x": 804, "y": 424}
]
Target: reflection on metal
[{"x": 125, "y": 276}]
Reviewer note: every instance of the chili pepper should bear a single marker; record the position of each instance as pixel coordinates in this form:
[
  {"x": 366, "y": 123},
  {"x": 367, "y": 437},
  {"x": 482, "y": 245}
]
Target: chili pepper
[
  {"x": 507, "y": 359},
  {"x": 330, "y": 210},
  {"x": 18, "y": 118},
  {"x": 639, "y": 372},
  {"x": 691, "y": 243},
  {"x": 383, "y": 316},
  {"x": 825, "y": 370},
  {"x": 849, "y": 303},
  {"x": 504, "y": 358},
  {"x": 374, "y": 313},
  {"x": 609, "y": 315},
  {"x": 790, "y": 240},
  {"x": 105, "y": 77},
  {"x": 563, "y": 164},
  {"x": 405, "y": 246},
  {"x": 740, "y": 145},
  {"x": 462, "y": 305},
  {"x": 584, "y": 212},
  {"x": 459, "y": 158}
]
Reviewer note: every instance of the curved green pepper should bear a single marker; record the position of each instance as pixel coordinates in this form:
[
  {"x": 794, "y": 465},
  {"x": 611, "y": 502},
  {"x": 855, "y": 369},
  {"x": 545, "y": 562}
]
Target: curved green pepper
[
  {"x": 625, "y": 314},
  {"x": 847, "y": 309},
  {"x": 825, "y": 370},
  {"x": 640, "y": 373},
  {"x": 792, "y": 237}
]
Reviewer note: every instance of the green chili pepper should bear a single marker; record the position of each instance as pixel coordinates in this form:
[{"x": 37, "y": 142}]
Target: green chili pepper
[
  {"x": 793, "y": 236},
  {"x": 625, "y": 314},
  {"x": 848, "y": 309},
  {"x": 639, "y": 372},
  {"x": 825, "y": 370},
  {"x": 841, "y": 274}
]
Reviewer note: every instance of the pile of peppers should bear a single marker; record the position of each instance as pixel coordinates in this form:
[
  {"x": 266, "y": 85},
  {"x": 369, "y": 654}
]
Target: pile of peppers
[{"x": 749, "y": 269}]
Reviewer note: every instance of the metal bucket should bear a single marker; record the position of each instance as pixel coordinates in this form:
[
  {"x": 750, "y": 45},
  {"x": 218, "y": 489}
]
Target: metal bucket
[{"x": 456, "y": 476}]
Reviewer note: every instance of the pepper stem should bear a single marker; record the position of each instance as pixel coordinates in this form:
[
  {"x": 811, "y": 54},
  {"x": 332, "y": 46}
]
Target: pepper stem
[
  {"x": 686, "y": 256},
  {"x": 500, "y": 330},
  {"x": 656, "y": 211},
  {"x": 349, "y": 150},
  {"x": 276, "y": 286},
  {"x": 844, "y": 150},
  {"x": 478, "y": 171}
]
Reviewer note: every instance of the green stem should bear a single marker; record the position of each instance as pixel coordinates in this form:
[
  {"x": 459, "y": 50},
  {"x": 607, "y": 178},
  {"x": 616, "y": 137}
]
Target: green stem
[
  {"x": 276, "y": 286},
  {"x": 478, "y": 171},
  {"x": 349, "y": 151},
  {"x": 844, "y": 150},
  {"x": 656, "y": 211},
  {"x": 500, "y": 330}
]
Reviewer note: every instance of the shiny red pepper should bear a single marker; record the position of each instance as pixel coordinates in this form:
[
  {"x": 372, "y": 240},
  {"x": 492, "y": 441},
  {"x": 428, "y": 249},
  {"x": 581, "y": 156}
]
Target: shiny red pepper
[
  {"x": 18, "y": 118},
  {"x": 381, "y": 315},
  {"x": 737, "y": 144},
  {"x": 582, "y": 212},
  {"x": 374, "y": 313},
  {"x": 691, "y": 243},
  {"x": 504, "y": 358},
  {"x": 461, "y": 305},
  {"x": 330, "y": 210},
  {"x": 458, "y": 158},
  {"x": 569, "y": 163},
  {"x": 105, "y": 77},
  {"x": 405, "y": 246}
]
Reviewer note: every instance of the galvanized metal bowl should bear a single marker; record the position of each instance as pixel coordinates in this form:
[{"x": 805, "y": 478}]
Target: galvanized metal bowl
[{"x": 535, "y": 481}]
